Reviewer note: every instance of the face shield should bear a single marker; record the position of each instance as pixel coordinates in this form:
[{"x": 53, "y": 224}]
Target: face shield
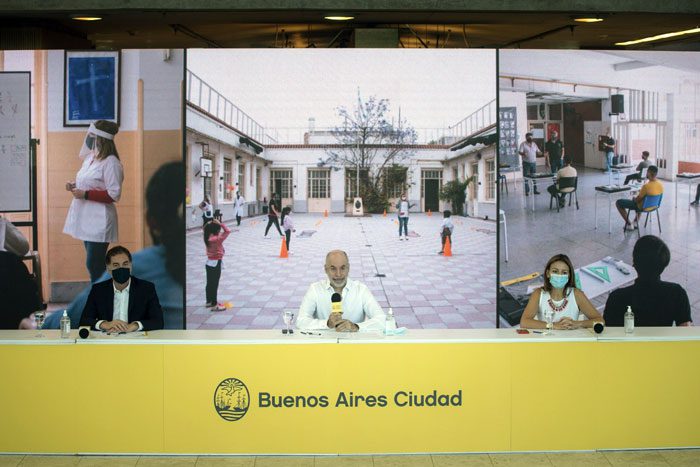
[{"x": 90, "y": 141}]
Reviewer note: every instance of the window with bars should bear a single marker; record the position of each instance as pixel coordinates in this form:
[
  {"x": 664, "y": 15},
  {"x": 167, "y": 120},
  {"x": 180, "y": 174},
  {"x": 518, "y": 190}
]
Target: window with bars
[
  {"x": 491, "y": 179},
  {"x": 281, "y": 182},
  {"x": 351, "y": 181},
  {"x": 395, "y": 181},
  {"x": 241, "y": 175},
  {"x": 228, "y": 180},
  {"x": 319, "y": 185}
]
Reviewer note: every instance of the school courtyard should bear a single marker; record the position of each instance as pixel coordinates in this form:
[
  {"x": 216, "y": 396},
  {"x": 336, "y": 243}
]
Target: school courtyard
[{"x": 425, "y": 290}]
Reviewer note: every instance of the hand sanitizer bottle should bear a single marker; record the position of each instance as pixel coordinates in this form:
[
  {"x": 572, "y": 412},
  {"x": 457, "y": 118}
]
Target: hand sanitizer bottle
[
  {"x": 65, "y": 325},
  {"x": 390, "y": 324},
  {"x": 629, "y": 321}
]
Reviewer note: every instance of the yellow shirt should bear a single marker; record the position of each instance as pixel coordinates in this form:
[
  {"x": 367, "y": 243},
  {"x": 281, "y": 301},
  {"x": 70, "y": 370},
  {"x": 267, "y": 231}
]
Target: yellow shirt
[{"x": 651, "y": 188}]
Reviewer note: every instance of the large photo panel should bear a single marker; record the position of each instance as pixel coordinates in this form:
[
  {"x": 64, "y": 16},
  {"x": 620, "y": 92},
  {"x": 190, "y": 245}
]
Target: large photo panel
[
  {"x": 386, "y": 155},
  {"x": 101, "y": 138},
  {"x": 599, "y": 162}
]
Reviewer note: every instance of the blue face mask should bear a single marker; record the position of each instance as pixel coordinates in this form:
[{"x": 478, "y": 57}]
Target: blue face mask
[{"x": 558, "y": 281}]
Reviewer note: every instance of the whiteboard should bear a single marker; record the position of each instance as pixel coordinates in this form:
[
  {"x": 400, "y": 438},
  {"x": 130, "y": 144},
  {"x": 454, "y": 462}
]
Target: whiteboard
[{"x": 15, "y": 162}]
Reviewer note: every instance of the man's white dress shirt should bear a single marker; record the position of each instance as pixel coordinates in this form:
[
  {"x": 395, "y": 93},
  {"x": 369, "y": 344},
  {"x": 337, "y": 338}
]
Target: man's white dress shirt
[
  {"x": 121, "y": 306},
  {"x": 359, "y": 306}
]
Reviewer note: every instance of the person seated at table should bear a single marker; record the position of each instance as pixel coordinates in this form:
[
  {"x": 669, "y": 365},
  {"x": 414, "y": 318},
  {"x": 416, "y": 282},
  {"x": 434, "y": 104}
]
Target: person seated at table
[
  {"x": 123, "y": 303},
  {"x": 652, "y": 188},
  {"x": 360, "y": 311},
  {"x": 644, "y": 164},
  {"x": 566, "y": 171},
  {"x": 654, "y": 302},
  {"x": 162, "y": 263},
  {"x": 560, "y": 298}
]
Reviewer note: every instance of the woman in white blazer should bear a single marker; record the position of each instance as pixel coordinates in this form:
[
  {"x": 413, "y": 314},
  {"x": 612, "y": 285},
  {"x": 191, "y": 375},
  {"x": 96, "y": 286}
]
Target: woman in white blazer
[{"x": 92, "y": 216}]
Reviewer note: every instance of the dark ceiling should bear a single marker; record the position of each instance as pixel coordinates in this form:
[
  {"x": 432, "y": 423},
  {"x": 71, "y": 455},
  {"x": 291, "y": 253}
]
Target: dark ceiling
[{"x": 307, "y": 28}]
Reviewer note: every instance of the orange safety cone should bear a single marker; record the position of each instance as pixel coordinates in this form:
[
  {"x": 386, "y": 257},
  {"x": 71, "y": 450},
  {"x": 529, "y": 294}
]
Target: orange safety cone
[
  {"x": 325, "y": 213},
  {"x": 384, "y": 213},
  {"x": 429, "y": 213},
  {"x": 283, "y": 249},
  {"x": 448, "y": 247}
]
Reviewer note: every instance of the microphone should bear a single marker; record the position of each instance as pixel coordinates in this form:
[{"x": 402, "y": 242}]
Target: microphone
[
  {"x": 336, "y": 303},
  {"x": 84, "y": 333},
  {"x": 598, "y": 327}
]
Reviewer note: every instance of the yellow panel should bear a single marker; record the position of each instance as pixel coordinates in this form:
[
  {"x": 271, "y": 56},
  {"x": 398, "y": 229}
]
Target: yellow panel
[
  {"x": 37, "y": 398},
  {"x": 192, "y": 374},
  {"x": 648, "y": 394},
  {"x": 554, "y": 396}
]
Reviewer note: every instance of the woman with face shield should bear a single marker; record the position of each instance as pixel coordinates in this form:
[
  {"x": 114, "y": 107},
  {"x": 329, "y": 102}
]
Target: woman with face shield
[
  {"x": 558, "y": 304},
  {"x": 92, "y": 216}
]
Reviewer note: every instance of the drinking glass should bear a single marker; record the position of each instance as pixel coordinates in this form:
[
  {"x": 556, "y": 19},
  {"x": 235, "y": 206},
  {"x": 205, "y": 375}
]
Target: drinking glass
[
  {"x": 549, "y": 317},
  {"x": 39, "y": 318},
  {"x": 288, "y": 317}
]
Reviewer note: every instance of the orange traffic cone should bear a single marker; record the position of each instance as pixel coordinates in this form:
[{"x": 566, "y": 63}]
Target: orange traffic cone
[
  {"x": 429, "y": 213},
  {"x": 448, "y": 247},
  {"x": 325, "y": 213},
  {"x": 283, "y": 250},
  {"x": 384, "y": 213}
]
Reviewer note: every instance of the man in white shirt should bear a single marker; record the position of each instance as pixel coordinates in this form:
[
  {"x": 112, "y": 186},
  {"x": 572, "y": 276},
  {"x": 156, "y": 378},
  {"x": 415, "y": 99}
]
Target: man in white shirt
[
  {"x": 11, "y": 239},
  {"x": 123, "y": 303},
  {"x": 529, "y": 151},
  {"x": 359, "y": 312}
]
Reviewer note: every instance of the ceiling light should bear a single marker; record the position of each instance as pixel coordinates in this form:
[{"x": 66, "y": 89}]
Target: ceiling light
[
  {"x": 86, "y": 18},
  {"x": 588, "y": 19},
  {"x": 660, "y": 37},
  {"x": 339, "y": 17}
]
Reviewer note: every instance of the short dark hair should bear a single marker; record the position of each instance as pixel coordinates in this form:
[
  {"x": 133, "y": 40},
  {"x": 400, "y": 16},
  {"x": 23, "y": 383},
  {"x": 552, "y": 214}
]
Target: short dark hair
[
  {"x": 650, "y": 256},
  {"x": 528, "y": 134},
  {"x": 645, "y": 153},
  {"x": 567, "y": 159},
  {"x": 114, "y": 251},
  {"x": 447, "y": 213},
  {"x": 653, "y": 169}
]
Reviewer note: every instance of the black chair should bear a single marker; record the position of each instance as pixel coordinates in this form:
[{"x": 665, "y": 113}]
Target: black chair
[
  {"x": 565, "y": 182},
  {"x": 18, "y": 291}
]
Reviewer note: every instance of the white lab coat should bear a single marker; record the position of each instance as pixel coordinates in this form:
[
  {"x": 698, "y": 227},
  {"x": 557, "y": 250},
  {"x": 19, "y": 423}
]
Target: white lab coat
[
  {"x": 238, "y": 204},
  {"x": 93, "y": 221}
]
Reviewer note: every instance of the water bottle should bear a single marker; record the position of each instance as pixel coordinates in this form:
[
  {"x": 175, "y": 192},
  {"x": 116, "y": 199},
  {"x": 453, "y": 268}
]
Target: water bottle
[
  {"x": 390, "y": 323},
  {"x": 629, "y": 321},
  {"x": 65, "y": 325}
]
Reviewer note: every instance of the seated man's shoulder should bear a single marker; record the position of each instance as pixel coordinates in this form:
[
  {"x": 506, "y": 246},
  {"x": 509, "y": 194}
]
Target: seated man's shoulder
[
  {"x": 105, "y": 284},
  {"x": 143, "y": 283},
  {"x": 672, "y": 288}
]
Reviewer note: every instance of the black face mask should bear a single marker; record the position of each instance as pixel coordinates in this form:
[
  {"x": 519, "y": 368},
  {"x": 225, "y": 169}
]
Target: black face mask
[
  {"x": 90, "y": 142},
  {"x": 121, "y": 275}
]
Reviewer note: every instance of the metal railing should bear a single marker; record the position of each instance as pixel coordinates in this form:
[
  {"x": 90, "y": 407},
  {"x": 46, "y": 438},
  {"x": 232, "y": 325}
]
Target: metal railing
[
  {"x": 202, "y": 95},
  {"x": 478, "y": 120}
]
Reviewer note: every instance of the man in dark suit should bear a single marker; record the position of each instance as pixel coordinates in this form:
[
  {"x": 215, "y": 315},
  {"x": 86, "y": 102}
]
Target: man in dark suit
[{"x": 124, "y": 303}]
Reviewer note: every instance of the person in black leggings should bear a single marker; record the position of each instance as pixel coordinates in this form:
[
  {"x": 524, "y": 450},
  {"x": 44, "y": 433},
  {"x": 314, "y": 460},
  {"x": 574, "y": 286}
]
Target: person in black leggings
[
  {"x": 697, "y": 196},
  {"x": 273, "y": 216}
]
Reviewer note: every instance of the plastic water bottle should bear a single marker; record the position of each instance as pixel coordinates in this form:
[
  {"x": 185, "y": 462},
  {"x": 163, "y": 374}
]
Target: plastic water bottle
[
  {"x": 390, "y": 323},
  {"x": 629, "y": 321},
  {"x": 65, "y": 325}
]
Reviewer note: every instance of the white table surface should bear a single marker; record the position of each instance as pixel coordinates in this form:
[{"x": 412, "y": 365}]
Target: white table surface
[{"x": 412, "y": 336}]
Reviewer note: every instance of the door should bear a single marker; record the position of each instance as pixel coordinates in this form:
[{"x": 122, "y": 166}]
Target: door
[
  {"x": 593, "y": 158},
  {"x": 432, "y": 191}
]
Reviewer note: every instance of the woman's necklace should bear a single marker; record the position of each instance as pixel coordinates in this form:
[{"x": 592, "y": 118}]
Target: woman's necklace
[{"x": 558, "y": 308}]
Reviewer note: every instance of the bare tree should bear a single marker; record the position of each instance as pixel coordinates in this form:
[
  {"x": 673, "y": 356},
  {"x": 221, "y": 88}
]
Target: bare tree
[{"x": 369, "y": 141}]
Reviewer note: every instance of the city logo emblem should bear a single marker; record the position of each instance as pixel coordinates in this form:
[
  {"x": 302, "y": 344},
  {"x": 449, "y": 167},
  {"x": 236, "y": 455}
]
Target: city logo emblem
[{"x": 231, "y": 399}]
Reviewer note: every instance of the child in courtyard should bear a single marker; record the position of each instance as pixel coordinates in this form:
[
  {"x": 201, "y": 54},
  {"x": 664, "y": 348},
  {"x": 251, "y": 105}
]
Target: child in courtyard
[
  {"x": 446, "y": 229},
  {"x": 287, "y": 224},
  {"x": 214, "y": 235}
]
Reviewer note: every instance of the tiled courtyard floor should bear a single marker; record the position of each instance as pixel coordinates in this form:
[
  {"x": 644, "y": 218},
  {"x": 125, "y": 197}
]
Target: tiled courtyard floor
[{"x": 424, "y": 289}]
